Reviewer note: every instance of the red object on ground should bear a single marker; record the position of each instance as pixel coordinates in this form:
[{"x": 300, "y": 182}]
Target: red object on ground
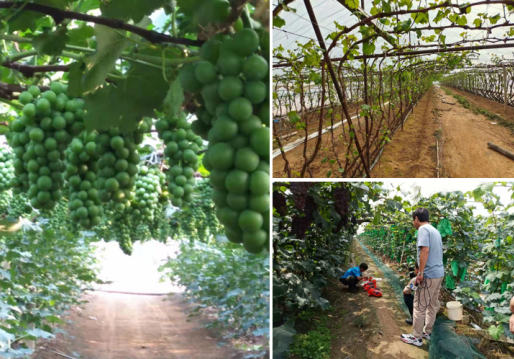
[{"x": 375, "y": 292}]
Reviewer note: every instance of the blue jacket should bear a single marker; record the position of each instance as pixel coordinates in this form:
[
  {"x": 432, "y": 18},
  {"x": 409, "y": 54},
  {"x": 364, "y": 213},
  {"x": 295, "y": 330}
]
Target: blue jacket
[{"x": 355, "y": 271}]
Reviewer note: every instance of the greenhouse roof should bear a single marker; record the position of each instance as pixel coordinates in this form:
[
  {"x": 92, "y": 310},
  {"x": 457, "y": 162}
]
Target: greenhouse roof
[{"x": 299, "y": 28}]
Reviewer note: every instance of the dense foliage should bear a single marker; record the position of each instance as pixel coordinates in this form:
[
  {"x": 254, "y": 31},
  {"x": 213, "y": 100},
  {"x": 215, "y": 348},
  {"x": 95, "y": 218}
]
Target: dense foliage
[
  {"x": 314, "y": 223},
  {"x": 222, "y": 276},
  {"x": 44, "y": 272},
  {"x": 478, "y": 252}
]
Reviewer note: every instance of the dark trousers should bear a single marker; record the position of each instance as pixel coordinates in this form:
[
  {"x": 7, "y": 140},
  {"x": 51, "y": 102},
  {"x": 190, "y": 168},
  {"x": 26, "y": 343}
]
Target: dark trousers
[
  {"x": 409, "y": 301},
  {"x": 350, "y": 281}
]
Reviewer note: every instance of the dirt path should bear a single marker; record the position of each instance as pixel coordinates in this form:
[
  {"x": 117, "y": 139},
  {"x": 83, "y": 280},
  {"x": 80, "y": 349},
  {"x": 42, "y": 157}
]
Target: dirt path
[
  {"x": 462, "y": 137},
  {"x": 380, "y": 337},
  {"x": 412, "y": 152},
  {"x": 123, "y": 326}
]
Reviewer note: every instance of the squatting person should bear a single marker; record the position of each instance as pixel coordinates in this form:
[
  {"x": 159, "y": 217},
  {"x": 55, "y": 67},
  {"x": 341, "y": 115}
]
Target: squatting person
[
  {"x": 430, "y": 276},
  {"x": 353, "y": 276},
  {"x": 408, "y": 296}
]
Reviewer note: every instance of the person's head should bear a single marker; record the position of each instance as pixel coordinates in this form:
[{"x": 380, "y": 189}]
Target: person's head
[
  {"x": 363, "y": 267},
  {"x": 419, "y": 217}
]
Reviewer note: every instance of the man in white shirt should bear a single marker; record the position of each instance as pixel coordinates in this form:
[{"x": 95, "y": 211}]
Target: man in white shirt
[{"x": 429, "y": 279}]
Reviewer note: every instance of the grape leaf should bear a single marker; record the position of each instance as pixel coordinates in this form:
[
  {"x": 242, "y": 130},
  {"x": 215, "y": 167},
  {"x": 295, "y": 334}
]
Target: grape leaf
[
  {"x": 368, "y": 48},
  {"x": 80, "y": 35},
  {"x": 174, "y": 98},
  {"x": 278, "y": 22},
  {"x": 495, "y": 331},
  {"x": 110, "y": 45},
  {"x": 130, "y": 9},
  {"x": 51, "y": 43},
  {"x": 123, "y": 104},
  {"x": 24, "y": 20}
]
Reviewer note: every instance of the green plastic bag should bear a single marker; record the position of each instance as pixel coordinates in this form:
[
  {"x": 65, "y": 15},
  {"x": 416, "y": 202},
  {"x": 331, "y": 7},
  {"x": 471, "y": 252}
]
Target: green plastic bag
[
  {"x": 444, "y": 227},
  {"x": 462, "y": 272},
  {"x": 450, "y": 283},
  {"x": 455, "y": 267}
]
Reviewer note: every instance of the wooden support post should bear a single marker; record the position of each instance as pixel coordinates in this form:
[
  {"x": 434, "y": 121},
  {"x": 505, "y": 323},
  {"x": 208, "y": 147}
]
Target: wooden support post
[
  {"x": 335, "y": 80},
  {"x": 504, "y": 89}
]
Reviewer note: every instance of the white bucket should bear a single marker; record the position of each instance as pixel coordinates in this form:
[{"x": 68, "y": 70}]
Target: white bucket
[{"x": 454, "y": 310}]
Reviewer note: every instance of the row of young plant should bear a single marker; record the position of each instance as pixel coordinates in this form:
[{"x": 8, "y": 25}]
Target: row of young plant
[
  {"x": 209, "y": 267},
  {"x": 313, "y": 225},
  {"x": 44, "y": 273},
  {"x": 478, "y": 250}
]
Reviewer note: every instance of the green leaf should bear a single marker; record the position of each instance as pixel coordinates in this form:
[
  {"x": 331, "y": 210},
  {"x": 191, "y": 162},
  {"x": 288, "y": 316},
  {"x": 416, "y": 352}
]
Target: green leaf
[
  {"x": 110, "y": 45},
  {"x": 24, "y": 20},
  {"x": 283, "y": 337},
  {"x": 352, "y": 4},
  {"x": 51, "y": 43},
  {"x": 368, "y": 48},
  {"x": 124, "y": 104},
  {"x": 495, "y": 331},
  {"x": 278, "y": 22},
  {"x": 174, "y": 98},
  {"x": 130, "y": 9},
  {"x": 79, "y": 36}
]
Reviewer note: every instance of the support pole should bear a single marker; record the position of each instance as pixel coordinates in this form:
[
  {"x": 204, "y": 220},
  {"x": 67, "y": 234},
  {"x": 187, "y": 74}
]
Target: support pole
[
  {"x": 504, "y": 89},
  {"x": 335, "y": 80}
]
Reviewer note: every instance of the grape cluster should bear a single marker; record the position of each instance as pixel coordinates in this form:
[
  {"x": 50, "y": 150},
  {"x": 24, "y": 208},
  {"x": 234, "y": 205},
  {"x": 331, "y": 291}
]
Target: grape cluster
[
  {"x": 182, "y": 147},
  {"x": 118, "y": 165},
  {"x": 160, "y": 229},
  {"x": 58, "y": 217},
  {"x": 232, "y": 85},
  {"x": 6, "y": 168},
  {"x": 299, "y": 191},
  {"x": 39, "y": 137},
  {"x": 19, "y": 207},
  {"x": 342, "y": 200},
  {"x": 5, "y": 200},
  {"x": 121, "y": 228},
  {"x": 81, "y": 173},
  {"x": 148, "y": 190},
  {"x": 142, "y": 233},
  {"x": 280, "y": 203}
]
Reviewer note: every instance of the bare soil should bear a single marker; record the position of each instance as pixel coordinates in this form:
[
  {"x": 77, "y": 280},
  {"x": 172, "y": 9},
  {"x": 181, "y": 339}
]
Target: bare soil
[
  {"x": 412, "y": 151},
  {"x": 385, "y": 321},
  {"x": 124, "y": 326},
  {"x": 461, "y": 136}
]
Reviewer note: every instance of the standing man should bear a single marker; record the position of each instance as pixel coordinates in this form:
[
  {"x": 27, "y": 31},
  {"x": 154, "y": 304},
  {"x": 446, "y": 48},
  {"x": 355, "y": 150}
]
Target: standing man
[{"x": 429, "y": 278}]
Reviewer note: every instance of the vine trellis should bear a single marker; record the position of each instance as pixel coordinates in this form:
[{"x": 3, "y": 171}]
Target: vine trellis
[{"x": 368, "y": 94}]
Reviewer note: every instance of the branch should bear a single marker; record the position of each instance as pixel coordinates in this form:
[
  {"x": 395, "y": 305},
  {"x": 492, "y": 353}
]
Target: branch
[
  {"x": 280, "y": 7},
  {"x": 30, "y": 70},
  {"x": 59, "y": 15}
]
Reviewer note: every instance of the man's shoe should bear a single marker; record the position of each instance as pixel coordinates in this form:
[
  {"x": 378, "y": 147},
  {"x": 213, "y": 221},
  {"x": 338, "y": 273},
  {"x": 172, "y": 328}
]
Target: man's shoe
[
  {"x": 426, "y": 336},
  {"x": 410, "y": 339},
  {"x": 408, "y": 321}
]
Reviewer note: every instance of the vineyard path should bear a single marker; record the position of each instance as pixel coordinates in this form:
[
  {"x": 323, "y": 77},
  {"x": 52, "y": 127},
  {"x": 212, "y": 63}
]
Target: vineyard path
[
  {"x": 441, "y": 124},
  {"x": 125, "y": 326},
  {"x": 380, "y": 337},
  {"x": 118, "y": 325}
]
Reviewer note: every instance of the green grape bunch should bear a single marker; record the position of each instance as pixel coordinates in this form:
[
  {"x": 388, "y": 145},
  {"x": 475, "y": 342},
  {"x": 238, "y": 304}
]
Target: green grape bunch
[
  {"x": 5, "y": 200},
  {"x": 19, "y": 207},
  {"x": 39, "y": 137},
  {"x": 118, "y": 164},
  {"x": 6, "y": 168},
  {"x": 231, "y": 83},
  {"x": 81, "y": 173},
  {"x": 181, "y": 151},
  {"x": 148, "y": 191}
]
